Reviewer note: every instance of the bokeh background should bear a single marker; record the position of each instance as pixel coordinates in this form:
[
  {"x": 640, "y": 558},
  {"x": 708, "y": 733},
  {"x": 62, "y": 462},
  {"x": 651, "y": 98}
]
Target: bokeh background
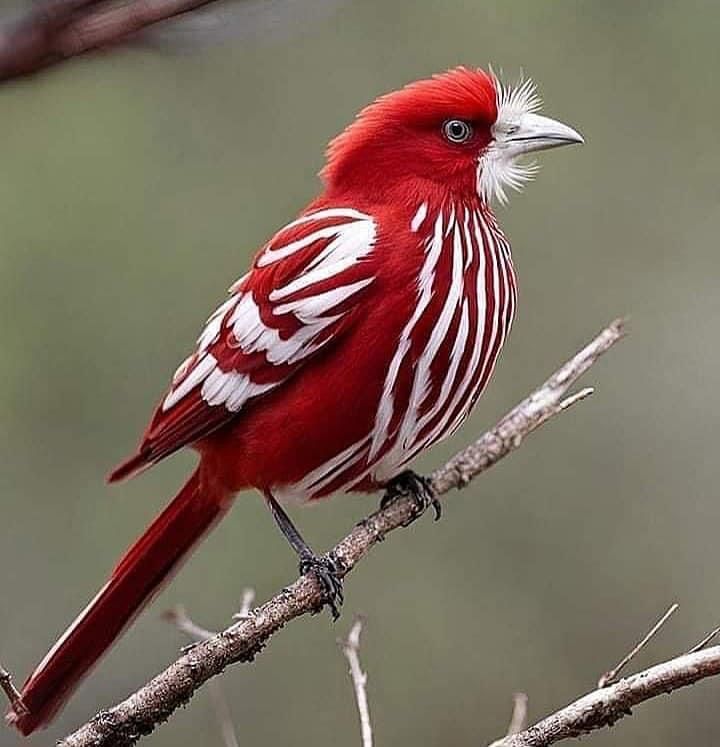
[{"x": 134, "y": 186}]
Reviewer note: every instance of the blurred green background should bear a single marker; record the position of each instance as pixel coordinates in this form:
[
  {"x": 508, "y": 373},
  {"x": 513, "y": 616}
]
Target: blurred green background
[{"x": 134, "y": 186}]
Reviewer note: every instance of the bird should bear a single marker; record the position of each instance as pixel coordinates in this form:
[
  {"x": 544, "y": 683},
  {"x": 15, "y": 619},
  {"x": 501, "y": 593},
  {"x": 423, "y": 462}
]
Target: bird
[{"x": 364, "y": 332}]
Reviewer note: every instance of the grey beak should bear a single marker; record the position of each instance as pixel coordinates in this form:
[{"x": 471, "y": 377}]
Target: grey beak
[{"x": 540, "y": 133}]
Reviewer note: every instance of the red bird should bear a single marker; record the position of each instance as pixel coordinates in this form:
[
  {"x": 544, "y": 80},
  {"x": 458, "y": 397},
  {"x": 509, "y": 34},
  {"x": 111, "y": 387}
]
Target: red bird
[{"x": 363, "y": 334}]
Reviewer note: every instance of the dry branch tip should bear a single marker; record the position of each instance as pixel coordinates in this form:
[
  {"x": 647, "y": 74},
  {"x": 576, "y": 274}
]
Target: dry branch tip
[
  {"x": 245, "y": 611},
  {"x": 350, "y": 646},
  {"x": 704, "y": 642},
  {"x": 610, "y": 677}
]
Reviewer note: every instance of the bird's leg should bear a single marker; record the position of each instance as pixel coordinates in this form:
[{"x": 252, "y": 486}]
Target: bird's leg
[
  {"x": 415, "y": 486},
  {"x": 325, "y": 568}
]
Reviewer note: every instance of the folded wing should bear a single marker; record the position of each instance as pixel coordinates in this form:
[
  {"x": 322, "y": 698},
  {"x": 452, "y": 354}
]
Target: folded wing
[{"x": 302, "y": 292}]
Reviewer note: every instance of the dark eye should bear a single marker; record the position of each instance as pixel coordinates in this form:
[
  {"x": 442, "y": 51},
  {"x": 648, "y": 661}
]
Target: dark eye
[{"x": 457, "y": 131}]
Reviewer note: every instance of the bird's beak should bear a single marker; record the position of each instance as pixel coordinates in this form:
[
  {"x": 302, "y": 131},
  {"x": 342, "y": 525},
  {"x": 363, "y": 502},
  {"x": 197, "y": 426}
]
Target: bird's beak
[{"x": 540, "y": 133}]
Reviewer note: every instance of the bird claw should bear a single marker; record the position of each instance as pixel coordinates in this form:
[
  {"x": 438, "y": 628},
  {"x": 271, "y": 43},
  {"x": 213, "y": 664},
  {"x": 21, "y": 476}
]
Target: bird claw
[
  {"x": 419, "y": 488},
  {"x": 327, "y": 571}
]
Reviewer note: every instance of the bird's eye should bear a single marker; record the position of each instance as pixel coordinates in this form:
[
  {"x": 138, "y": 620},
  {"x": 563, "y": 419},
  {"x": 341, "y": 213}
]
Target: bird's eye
[{"x": 457, "y": 131}]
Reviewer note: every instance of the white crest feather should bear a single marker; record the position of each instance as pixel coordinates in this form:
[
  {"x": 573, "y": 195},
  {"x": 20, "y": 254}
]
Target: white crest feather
[
  {"x": 498, "y": 170},
  {"x": 515, "y": 100}
]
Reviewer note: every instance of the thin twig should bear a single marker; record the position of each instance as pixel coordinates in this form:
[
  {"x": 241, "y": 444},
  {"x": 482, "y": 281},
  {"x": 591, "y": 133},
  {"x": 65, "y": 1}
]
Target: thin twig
[
  {"x": 573, "y": 399},
  {"x": 609, "y": 677},
  {"x": 248, "y": 597},
  {"x": 705, "y": 641},
  {"x": 223, "y": 715},
  {"x": 12, "y": 693},
  {"x": 153, "y": 703},
  {"x": 178, "y": 617},
  {"x": 518, "y": 719},
  {"x": 350, "y": 647}
]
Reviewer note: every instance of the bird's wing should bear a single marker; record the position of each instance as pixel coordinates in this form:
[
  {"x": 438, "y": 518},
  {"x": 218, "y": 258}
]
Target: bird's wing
[{"x": 301, "y": 293}]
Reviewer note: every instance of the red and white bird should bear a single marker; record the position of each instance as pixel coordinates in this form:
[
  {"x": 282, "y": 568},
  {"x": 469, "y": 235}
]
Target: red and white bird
[{"x": 364, "y": 332}]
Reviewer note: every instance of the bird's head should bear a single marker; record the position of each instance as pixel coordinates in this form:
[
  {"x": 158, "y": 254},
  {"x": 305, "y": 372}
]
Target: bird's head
[{"x": 462, "y": 132}]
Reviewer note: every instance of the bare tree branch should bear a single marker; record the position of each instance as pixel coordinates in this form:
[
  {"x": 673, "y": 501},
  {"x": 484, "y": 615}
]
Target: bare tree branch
[
  {"x": 350, "y": 647},
  {"x": 612, "y": 700},
  {"x": 604, "y": 706},
  {"x": 153, "y": 703}
]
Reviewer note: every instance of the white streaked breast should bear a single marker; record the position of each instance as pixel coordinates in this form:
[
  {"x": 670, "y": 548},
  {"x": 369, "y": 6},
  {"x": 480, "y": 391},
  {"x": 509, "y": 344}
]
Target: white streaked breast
[
  {"x": 426, "y": 281},
  {"x": 446, "y": 375}
]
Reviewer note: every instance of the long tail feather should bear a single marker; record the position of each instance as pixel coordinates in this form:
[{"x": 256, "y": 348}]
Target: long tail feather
[{"x": 135, "y": 580}]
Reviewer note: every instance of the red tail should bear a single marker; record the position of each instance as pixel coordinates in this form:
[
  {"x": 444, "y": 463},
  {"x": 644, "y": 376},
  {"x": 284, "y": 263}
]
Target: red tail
[{"x": 134, "y": 581}]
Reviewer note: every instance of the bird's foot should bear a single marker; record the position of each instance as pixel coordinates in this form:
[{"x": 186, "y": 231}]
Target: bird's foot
[
  {"x": 327, "y": 571},
  {"x": 419, "y": 488}
]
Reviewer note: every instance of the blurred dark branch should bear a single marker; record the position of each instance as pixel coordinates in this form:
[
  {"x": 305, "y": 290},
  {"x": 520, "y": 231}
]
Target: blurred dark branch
[
  {"x": 53, "y": 31},
  {"x": 153, "y": 703}
]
